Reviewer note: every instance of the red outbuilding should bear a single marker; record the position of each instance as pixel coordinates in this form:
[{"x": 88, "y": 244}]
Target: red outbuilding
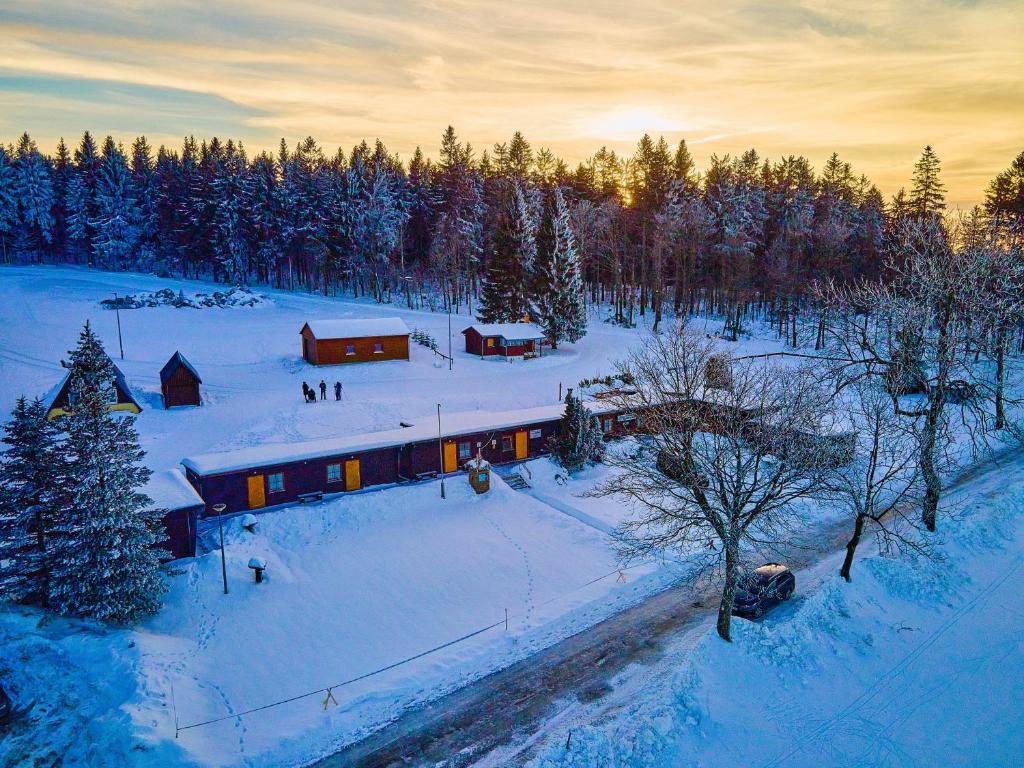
[
  {"x": 504, "y": 339},
  {"x": 330, "y": 342}
]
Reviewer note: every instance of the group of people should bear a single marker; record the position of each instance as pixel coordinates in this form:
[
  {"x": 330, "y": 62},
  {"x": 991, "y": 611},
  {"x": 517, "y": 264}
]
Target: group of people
[{"x": 309, "y": 394}]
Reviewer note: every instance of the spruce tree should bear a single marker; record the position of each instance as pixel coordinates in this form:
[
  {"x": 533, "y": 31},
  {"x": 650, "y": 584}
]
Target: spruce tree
[
  {"x": 31, "y": 489},
  {"x": 8, "y": 205},
  {"x": 560, "y": 301},
  {"x": 105, "y": 564},
  {"x": 34, "y": 192},
  {"x": 505, "y": 295},
  {"x": 927, "y": 193},
  {"x": 579, "y": 441}
]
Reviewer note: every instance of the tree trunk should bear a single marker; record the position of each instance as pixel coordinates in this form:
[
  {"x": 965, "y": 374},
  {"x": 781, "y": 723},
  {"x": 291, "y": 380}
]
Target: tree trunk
[
  {"x": 728, "y": 590},
  {"x": 1000, "y": 376},
  {"x": 932, "y": 481},
  {"x": 851, "y": 547}
]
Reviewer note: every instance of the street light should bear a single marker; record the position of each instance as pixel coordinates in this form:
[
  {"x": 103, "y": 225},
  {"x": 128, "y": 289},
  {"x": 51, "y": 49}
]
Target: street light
[
  {"x": 219, "y": 509},
  {"x": 117, "y": 312},
  {"x": 440, "y": 448}
]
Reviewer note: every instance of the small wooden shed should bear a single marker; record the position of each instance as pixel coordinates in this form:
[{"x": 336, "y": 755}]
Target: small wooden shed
[
  {"x": 179, "y": 382},
  {"x": 58, "y": 400},
  {"x": 332, "y": 342},
  {"x": 505, "y": 339}
]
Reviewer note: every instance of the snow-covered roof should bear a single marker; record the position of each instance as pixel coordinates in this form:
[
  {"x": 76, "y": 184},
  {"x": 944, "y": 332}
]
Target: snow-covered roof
[
  {"x": 357, "y": 328},
  {"x": 177, "y": 359},
  {"x": 452, "y": 424},
  {"x": 170, "y": 490},
  {"x": 509, "y": 330}
]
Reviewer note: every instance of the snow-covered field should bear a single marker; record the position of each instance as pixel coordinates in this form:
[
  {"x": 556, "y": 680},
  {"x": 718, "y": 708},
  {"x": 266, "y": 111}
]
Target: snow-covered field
[
  {"x": 251, "y": 364},
  {"x": 911, "y": 664},
  {"x": 357, "y": 583},
  {"x": 354, "y": 584}
]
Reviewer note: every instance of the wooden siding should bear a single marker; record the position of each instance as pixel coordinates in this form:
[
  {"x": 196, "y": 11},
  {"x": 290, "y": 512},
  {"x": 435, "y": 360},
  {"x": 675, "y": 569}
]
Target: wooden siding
[
  {"x": 180, "y": 527},
  {"x": 334, "y": 351},
  {"x": 476, "y": 344},
  {"x": 181, "y": 388}
]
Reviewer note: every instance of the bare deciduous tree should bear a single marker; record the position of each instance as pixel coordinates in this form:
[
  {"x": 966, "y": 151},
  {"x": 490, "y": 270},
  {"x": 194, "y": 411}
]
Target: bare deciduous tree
[
  {"x": 918, "y": 331},
  {"x": 877, "y": 487},
  {"x": 719, "y": 471}
]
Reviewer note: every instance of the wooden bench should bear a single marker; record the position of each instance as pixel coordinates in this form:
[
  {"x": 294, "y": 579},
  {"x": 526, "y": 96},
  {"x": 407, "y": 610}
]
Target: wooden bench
[{"x": 307, "y": 498}]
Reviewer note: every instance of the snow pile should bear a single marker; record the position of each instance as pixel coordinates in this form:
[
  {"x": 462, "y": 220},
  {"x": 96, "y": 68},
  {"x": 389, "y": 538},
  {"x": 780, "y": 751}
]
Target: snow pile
[{"x": 238, "y": 296}]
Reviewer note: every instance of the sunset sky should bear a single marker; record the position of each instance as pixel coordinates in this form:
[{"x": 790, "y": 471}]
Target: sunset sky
[{"x": 875, "y": 81}]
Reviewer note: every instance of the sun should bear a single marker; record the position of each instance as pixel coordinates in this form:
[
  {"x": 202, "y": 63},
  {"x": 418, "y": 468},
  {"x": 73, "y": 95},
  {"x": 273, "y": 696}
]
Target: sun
[{"x": 630, "y": 123}]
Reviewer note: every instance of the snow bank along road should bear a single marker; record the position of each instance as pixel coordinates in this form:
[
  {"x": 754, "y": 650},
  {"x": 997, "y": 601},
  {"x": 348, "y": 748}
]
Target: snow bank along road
[{"x": 464, "y": 726}]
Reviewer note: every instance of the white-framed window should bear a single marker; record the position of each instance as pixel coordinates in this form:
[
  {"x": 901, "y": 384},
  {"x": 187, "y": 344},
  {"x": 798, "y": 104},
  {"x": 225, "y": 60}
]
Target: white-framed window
[
  {"x": 465, "y": 451},
  {"x": 350, "y": 349},
  {"x": 275, "y": 482},
  {"x": 378, "y": 347},
  {"x": 627, "y": 417},
  {"x": 535, "y": 433},
  {"x": 334, "y": 473},
  {"x": 606, "y": 425},
  {"x": 506, "y": 443}
]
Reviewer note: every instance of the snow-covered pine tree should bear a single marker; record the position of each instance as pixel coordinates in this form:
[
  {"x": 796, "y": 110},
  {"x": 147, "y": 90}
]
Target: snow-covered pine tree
[
  {"x": 505, "y": 294},
  {"x": 579, "y": 441},
  {"x": 116, "y": 224},
  {"x": 8, "y": 205},
  {"x": 81, "y": 199},
  {"x": 31, "y": 489},
  {"x": 105, "y": 562},
  {"x": 34, "y": 192},
  {"x": 560, "y": 303}
]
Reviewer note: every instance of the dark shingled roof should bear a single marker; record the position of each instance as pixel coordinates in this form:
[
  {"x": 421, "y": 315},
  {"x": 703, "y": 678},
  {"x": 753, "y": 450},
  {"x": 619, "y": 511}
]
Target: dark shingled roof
[{"x": 177, "y": 359}]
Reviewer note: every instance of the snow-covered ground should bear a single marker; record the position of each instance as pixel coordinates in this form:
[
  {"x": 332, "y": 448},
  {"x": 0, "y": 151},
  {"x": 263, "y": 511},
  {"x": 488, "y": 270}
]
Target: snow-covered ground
[
  {"x": 360, "y": 582},
  {"x": 912, "y": 664},
  {"x": 354, "y": 584},
  {"x": 251, "y": 363}
]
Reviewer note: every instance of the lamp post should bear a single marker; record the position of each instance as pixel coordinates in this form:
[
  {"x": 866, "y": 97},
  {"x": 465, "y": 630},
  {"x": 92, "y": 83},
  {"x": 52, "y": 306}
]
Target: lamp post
[
  {"x": 449, "y": 337},
  {"x": 440, "y": 448},
  {"x": 117, "y": 313},
  {"x": 219, "y": 509}
]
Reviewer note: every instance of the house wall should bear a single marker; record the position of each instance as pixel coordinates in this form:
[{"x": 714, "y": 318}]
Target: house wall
[
  {"x": 180, "y": 526},
  {"x": 474, "y": 342},
  {"x": 333, "y": 351},
  {"x": 181, "y": 388}
]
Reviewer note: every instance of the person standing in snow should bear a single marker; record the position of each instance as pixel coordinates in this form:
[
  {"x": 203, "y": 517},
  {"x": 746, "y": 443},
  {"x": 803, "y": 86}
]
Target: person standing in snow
[
  {"x": 305, "y": 391},
  {"x": 337, "y": 390},
  {"x": 323, "y": 389}
]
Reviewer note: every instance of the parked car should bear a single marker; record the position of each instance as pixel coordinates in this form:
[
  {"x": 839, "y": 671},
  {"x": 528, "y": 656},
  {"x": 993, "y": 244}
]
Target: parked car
[
  {"x": 6, "y": 707},
  {"x": 761, "y": 589}
]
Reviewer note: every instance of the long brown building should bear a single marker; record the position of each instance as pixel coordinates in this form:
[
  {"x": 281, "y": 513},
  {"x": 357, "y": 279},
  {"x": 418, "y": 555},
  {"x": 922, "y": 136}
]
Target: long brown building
[{"x": 333, "y": 342}]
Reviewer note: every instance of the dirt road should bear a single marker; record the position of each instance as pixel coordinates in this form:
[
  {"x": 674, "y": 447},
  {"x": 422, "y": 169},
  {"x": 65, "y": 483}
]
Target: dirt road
[{"x": 458, "y": 729}]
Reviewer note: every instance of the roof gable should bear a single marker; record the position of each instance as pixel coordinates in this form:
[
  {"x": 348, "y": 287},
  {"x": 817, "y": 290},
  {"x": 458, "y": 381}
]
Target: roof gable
[{"x": 177, "y": 359}]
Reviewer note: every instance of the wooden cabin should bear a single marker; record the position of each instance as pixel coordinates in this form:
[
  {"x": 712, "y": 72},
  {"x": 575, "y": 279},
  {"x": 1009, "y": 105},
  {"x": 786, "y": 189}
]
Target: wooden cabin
[
  {"x": 171, "y": 493},
  {"x": 58, "y": 400},
  {"x": 179, "y": 382},
  {"x": 504, "y": 339},
  {"x": 334, "y": 342}
]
